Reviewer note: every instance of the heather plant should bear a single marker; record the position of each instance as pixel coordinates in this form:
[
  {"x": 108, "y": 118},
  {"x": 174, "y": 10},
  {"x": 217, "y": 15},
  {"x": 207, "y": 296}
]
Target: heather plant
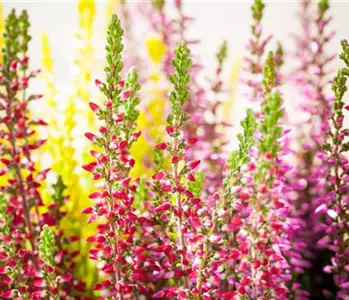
[
  {"x": 205, "y": 103},
  {"x": 173, "y": 215},
  {"x": 197, "y": 223},
  {"x": 311, "y": 77},
  {"x": 334, "y": 208},
  {"x": 23, "y": 213}
]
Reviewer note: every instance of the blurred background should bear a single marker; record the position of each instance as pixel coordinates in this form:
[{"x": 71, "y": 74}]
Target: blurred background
[{"x": 214, "y": 22}]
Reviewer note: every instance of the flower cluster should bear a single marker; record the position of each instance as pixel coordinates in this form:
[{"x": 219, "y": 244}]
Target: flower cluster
[
  {"x": 334, "y": 209},
  {"x": 23, "y": 214},
  {"x": 308, "y": 183},
  {"x": 205, "y": 102},
  {"x": 201, "y": 224}
]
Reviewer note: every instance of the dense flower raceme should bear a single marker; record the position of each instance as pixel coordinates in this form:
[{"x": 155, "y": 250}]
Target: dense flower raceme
[
  {"x": 334, "y": 209},
  {"x": 307, "y": 183},
  {"x": 23, "y": 271},
  {"x": 169, "y": 236}
]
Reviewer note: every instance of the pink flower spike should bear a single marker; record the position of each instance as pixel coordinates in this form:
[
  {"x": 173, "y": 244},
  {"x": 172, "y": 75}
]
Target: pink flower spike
[{"x": 346, "y": 107}]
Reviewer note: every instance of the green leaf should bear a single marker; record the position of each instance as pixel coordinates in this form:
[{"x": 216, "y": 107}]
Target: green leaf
[
  {"x": 269, "y": 73},
  {"x": 222, "y": 53},
  {"x": 59, "y": 188},
  {"x": 47, "y": 246},
  {"x": 257, "y": 10},
  {"x": 180, "y": 80},
  {"x": 241, "y": 156},
  {"x": 273, "y": 113}
]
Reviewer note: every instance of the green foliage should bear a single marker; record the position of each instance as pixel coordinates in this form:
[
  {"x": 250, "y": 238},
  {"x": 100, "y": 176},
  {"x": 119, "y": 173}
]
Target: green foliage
[
  {"x": 24, "y": 37},
  {"x": 323, "y": 6},
  {"x": 47, "y": 246},
  {"x": 158, "y": 4},
  {"x": 246, "y": 141},
  {"x": 345, "y": 54},
  {"x": 114, "y": 60},
  {"x": 3, "y": 206},
  {"x": 131, "y": 113},
  {"x": 339, "y": 85},
  {"x": 16, "y": 37},
  {"x": 222, "y": 53},
  {"x": 180, "y": 80},
  {"x": 158, "y": 158},
  {"x": 196, "y": 186},
  {"x": 269, "y": 73},
  {"x": 339, "y": 88},
  {"x": 141, "y": 193},
  {"x": 3, "y": 214},
  {"x": 58, "y": 191},
  {"x": 257, "y": 10},
  {"x": 269, "y": 126}
]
